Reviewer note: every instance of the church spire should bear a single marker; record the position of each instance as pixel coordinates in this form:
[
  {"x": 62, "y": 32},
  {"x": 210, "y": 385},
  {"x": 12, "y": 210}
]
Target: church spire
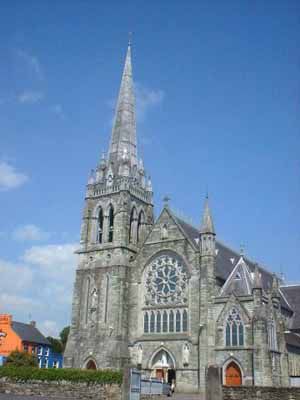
[
  {"x": 123, "y": 138},
  {"x": 207, "y": 225}
]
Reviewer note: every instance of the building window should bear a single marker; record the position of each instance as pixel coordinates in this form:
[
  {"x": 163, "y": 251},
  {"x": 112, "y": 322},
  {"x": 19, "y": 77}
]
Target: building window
[
  {"x": 165, "y": 321},
  {"x": 25, "y": 347},
  {"x": 146, "y": 322},
  {"x": 171, "y": 321},
  {"x": 47, "y": 352},
  {"x": 132, "y": 226},
  {"x": 33, "y": 350},
  {"x": 178, "y": 321},
  {"x": 158, "y": 322},
  {"x": 184, "y": 321},
  {"x": 55, "y": 364},
  {"x": 100, "y": 226},
  {"x": 40, "y": 350},
  {"x": 234, "y": 335},
  {"x": 111, "y": 224},
  {"x": 140, "y": 228},
  {"x": 152, "y": 322}
]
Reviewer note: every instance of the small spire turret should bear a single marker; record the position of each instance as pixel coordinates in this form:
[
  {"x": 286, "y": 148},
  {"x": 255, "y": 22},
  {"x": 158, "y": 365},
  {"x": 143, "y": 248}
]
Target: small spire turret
[{"x": 207, "y": 225}]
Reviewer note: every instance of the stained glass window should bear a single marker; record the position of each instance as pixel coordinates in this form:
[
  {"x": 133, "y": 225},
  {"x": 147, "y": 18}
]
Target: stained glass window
[{"x": 234, "y": 333}]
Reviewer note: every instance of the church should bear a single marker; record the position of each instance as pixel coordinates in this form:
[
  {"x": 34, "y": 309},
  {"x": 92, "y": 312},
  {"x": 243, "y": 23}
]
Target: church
[{"x": 167, "y": 297}]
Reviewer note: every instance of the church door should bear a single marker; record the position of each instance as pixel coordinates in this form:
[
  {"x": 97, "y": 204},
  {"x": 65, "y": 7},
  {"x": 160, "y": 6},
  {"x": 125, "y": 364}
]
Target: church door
[
  {"x": 233, "y": 375},
  {"x": 160, "y": 373},
  {"x": 91, "y": 365}
]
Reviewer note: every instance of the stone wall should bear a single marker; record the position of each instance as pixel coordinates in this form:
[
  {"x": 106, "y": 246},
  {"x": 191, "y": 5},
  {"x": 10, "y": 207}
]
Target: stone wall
[
  {"x": 261, "y": 393},
  {"x": 72, "y": 390}
]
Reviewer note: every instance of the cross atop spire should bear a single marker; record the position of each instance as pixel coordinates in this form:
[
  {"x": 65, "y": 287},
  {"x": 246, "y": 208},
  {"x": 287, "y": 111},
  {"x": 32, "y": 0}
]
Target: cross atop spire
[
  {"x": 207, "y": 225},
  {"x": 124, "y": 128}
]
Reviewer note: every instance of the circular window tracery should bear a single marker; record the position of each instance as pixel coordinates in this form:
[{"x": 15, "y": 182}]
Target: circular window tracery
[{"x": 166, "y": 281}]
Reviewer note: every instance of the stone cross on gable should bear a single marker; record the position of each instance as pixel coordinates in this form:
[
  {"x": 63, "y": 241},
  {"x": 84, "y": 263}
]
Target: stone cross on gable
[{"x": 166, "y": 200}]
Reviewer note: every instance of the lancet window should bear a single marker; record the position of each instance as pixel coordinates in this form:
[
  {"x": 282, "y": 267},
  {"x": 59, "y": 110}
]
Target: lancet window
[
  {"x": 234, "y": 335},
  {"x": 140, "y": 227},
  {"x": 166, "y": 321},
  {"x": 111, "y": 223},
  {"x": 272, "y": 337},
  {"x": 133, "y": 226},
  {"x": 100, "y": 226}
]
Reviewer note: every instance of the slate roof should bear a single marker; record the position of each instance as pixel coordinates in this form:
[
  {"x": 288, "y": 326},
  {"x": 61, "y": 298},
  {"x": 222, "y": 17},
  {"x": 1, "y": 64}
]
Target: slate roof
[
  {"x": 292, "y": 294},
  {"x": 29, "y": 333},
  {"x": 227, "y": 259},
  {"x": 292, "y": 339}
]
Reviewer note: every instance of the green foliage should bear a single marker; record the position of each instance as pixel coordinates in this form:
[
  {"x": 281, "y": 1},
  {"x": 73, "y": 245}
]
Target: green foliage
[
  {"x": 56, "y": 344},
  {"x": 21, "y": 359},
  {"x": 53, "y": 374},
  {"x": 64, "y": 336}
]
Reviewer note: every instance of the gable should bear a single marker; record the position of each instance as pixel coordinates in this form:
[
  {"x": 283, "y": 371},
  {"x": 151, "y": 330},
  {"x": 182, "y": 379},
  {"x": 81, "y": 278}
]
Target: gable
[
  {"x": 165, "y": 229},
  {"x": 239, "y": 282}
]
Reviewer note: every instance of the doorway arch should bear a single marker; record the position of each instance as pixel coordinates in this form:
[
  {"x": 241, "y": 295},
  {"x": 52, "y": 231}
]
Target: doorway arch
[
  {"x": 91, "y": 365},
  {"x": 162, "y": 365},
  {"x": 233, "y": 374}
]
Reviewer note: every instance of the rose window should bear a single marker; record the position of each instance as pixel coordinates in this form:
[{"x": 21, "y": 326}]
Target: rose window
[{"x": 166, "y": 282}]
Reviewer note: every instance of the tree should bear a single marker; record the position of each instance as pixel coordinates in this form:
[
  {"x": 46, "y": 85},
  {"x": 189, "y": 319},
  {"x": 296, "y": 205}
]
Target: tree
[
  {"x": 56, "y": 344},
  {"x": 21, "y": 359},
  {"x": 64, "y": 336}
]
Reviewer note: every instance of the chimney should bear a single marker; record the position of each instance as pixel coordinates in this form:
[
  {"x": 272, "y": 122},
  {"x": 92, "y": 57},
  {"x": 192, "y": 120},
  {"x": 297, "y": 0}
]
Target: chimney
[{"x": 33, "y": 323}]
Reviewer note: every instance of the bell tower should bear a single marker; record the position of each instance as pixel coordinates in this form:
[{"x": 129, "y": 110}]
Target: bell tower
[{"x": 118, "y": 214}]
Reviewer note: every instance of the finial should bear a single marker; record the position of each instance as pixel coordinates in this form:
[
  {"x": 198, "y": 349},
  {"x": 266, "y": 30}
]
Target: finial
[
  {"x": 166, "y": 200},
  {"x": 129, "y": 38},
  {"x": 242, "y": 249}
]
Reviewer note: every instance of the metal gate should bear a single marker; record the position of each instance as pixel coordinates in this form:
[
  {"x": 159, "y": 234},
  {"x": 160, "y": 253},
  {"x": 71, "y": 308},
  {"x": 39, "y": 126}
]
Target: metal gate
[{"x": 135, "y": 384}]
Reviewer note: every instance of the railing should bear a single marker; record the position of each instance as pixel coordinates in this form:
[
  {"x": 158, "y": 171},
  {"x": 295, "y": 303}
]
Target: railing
[{"x": 154, "y": 386}]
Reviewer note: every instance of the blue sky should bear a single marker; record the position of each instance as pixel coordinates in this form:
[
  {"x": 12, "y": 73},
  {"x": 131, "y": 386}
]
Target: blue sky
[{"x": 218, "y": 109}]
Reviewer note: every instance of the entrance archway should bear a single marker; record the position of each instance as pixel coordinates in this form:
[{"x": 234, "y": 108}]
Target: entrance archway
[
  {"x": 91, "y": 365},
  {"x": 233, "y": 375},
  {"x": 163, "y": 367}
]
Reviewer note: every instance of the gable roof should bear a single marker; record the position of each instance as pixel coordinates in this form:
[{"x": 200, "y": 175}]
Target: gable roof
[
  {"x": 292, "y": 294},
  {"x": 227, "y": 258},
  {"x": 29, "y": 333},
  {"x": 239, "y": 282},
  {"x": 292, "y": 340}
]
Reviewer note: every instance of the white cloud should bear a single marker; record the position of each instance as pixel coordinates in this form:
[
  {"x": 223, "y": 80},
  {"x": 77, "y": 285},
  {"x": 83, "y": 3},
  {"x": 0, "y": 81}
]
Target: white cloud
[
  {"x": 49, "y": 328},
  {"x": 30, "y": 97},
  {"x": 15, "y": 276},
  {"x": 40, "y": 285},
  {"x": 10, "y": 178},
  {"x": 30, "y": 232},
  {"x": 32, "y": 63},
  {"x": 146, "y": 99}
]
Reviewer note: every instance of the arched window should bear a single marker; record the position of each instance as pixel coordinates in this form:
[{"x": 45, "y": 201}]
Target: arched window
[
  {"x": 165, "y": 321},
  {"x": 184, "y": 321},
  {"x": 272, "y": 337},
  {"x": 132, "y": 226},
  {"x": 234, "y": 329},
  {"x": 111, "y": 223},
  {"x": 158, "y": 322},
  {"x": 146, "y": 322},
  {"x": 152, "y": 322},
  {"x": 140, "y": 228},
  {"x": 100, "y": 226},
  {"x": 178, "y": 321},
  {"x": 171, "y": 321}
]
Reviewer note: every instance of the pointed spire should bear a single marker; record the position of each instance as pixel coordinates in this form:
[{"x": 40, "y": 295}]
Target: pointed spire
[
  {"x": 124, "y": 127},
  {"x": 207, "y": 225}
]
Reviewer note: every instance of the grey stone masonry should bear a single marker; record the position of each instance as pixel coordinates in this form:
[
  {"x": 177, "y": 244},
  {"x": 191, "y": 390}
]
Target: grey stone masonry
[{"x": 164, "y": 296}]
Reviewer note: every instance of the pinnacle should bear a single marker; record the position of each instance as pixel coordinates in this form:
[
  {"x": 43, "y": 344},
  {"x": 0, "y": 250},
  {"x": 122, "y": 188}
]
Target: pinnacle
[{"x": 207, "y": 225}]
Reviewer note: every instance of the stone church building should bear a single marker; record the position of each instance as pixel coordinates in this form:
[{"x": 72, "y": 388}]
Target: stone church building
[{"x": 165, "y": 296}]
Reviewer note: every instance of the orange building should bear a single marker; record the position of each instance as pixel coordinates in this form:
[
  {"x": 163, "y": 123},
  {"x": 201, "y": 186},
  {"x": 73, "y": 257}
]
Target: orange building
[{"x": 19, "y": 336}]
